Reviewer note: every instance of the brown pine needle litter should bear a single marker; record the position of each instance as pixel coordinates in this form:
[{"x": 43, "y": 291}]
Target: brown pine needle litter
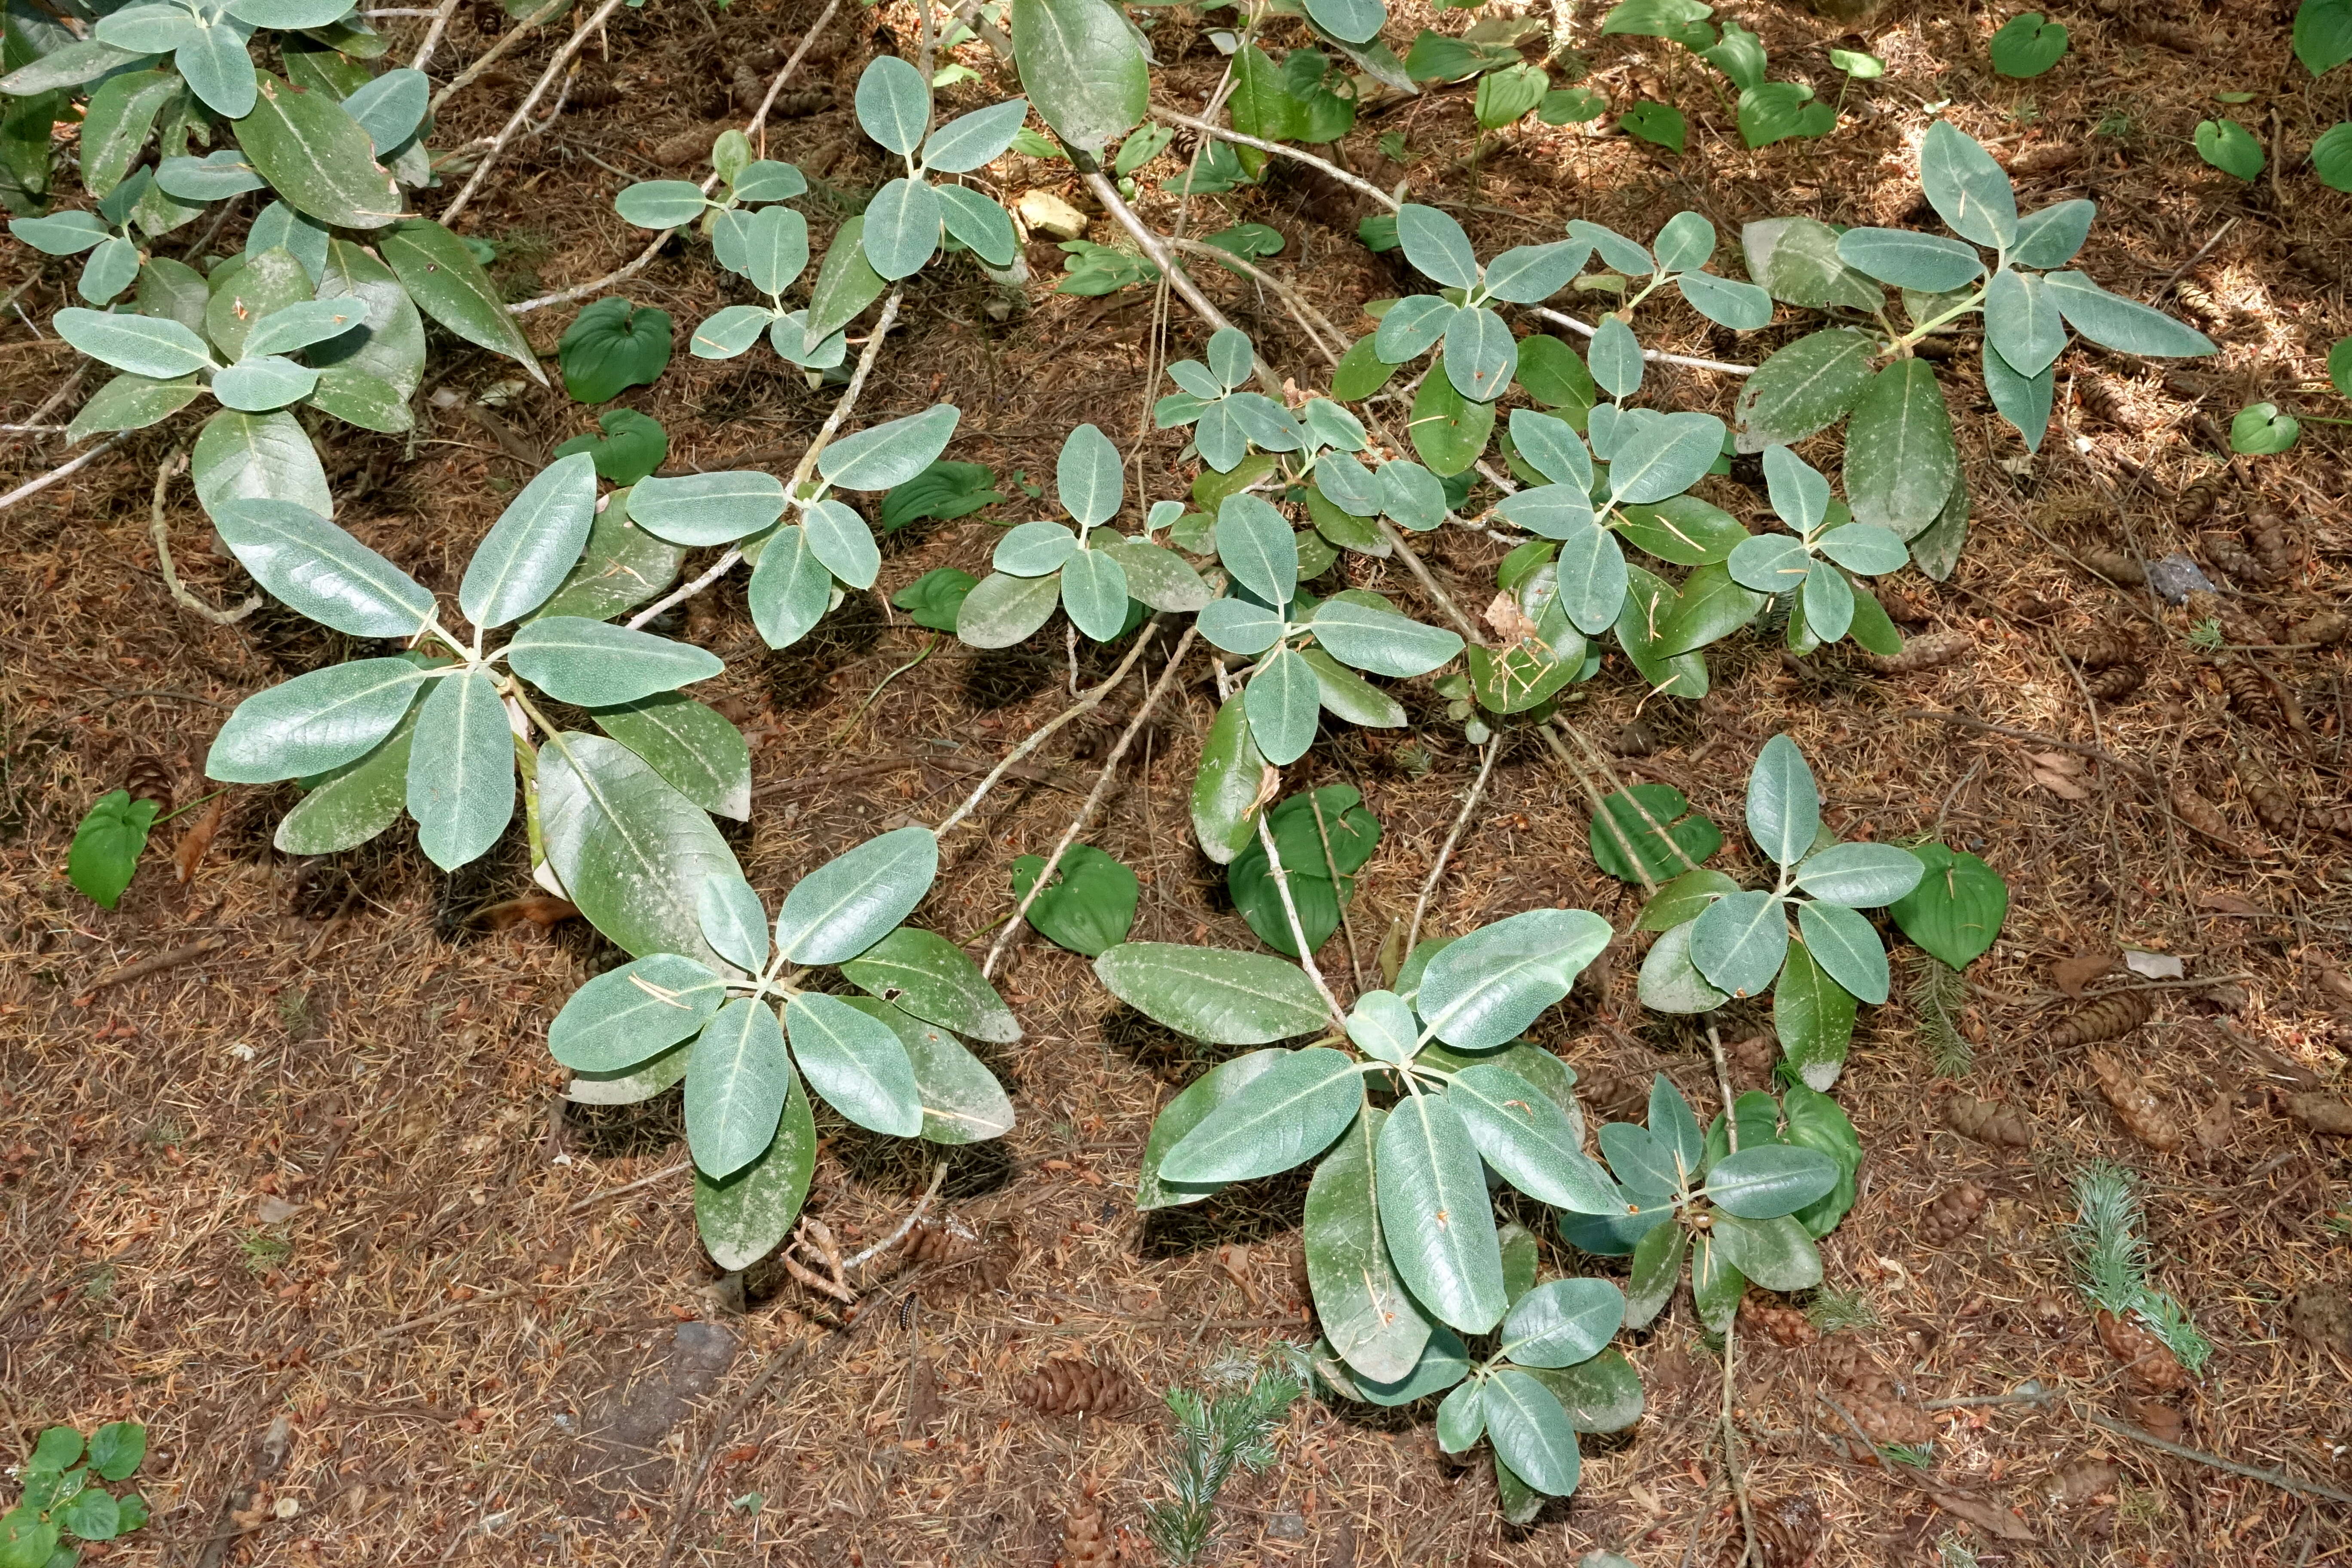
[{"x": 293, "y": 1186}]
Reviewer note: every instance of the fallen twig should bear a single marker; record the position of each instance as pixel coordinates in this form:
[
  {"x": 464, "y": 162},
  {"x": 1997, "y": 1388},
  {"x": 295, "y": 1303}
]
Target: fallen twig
[
  {"x": 2278, "y": 1478},
  {"x": 70, "y": 465},
  {"x": 181, "y": 594},
  {"x": 1445, "y": 850},
  {"x": 1086, "y": 702},
  {"x": 521, "y": 115},
  {"x": 665, "y": 1173},
  {"x": 914, "y": 1217},
  {"x": 153, "y": 964}
]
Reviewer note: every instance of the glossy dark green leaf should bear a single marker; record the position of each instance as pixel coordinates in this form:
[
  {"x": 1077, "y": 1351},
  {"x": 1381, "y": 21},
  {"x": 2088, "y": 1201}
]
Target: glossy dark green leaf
[
  {"x": 106, "y": 847},
  {"x": 612, "y": 346},
  {"x": 1956, "y": 910},
  {"x": 449, "y": 285},
  {"x": 1089, "y": 904},
  {"x": 1812, "y": 1017},
  {"x": 1651, "y": 827}
]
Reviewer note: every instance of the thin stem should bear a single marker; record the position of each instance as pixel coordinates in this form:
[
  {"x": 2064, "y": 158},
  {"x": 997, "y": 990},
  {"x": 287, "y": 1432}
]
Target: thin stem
[
  {"x": 1655, "y": 356},
  {"x": 70, "y": 467},
  {"x": 1222, "y": 133},
  {"x": 521, "y": 115},
  {"x": 1086, "y": 703},
  {"x": 938, "y": 1179},
  {"x": 808, "y": 465},
  {"x": 1307, "y": 316},
  {"x": 1145, "y": 236},
  {"x": 491, "y": 56},
  {"x": 1601, "y": 813},
  {"x": 1331, "y": 869},
  {"x": 1445, "y": 851},
  {"x": 433, "y": 34},
  {"x": 162, "y": 538},
  {"x": 1297, "y": 931},
  {"x": 1751, "y": 1552},
  {"x": 1014, "y": 927}
]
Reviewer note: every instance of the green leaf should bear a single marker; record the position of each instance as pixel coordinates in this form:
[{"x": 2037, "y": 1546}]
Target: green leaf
[
  {"x": 259, "y": 384},
  {"x": 91, "y": 1515},
  {"x": 846, "y": 284},
  {"x": 1004, "y": 609},
  {"x": 1256, "y": 545},
  {"x": 1530, "y": 1141},
  {"x": 856, "y": 1063},
  {"x": 894, "y": 103},
  {"x": 936, "y": 598},
  {"x": 1157, "y": 576},
  {"x": 116, "y": 1449},
  {"x": 1812, "y": 1016},
  {"x": 1449, "y": 431},
  {"x": 1352, "y": 833},
  {"x": 115, "y": 127},
  {"x": 597, "y": 665},
  {"x": 2021, "y": 322},
  {"x": 1710, "y": 606},
  {"x": 1224, "y": 997},
  {"x": 1563, "y": 1322},
  {"x": 1370, "y": 1318},
  {"x": 2125, "y": 325},
  {"x": 634, "y": 1085},
  {"x": 151, "y": 346},
  {"x": 461, "y": 771},
  {"x": 891, "y": 452},
  {"x": 1602, "y": 1395},
  {"x": 314, "y": 722},
  {"x": 735, "y": 1085},
  {"x": 2323, "y": 35},
  {"x": 630, "y": 850},
  {"x": 1089, "y": 905},
  {"x": 944, "y": 490},
  {"x": 963, "y": 1102},
  {"x": 132, "y": 403},
  {"x": 1434, "y": 1209},
  {"x": 1900, "y": 462},
  {"x": 1379, "y": 640},
  {"x": 1967, "y": 189},
  {"x": 1925, "y": 262},
  {"x": 612, "y": 346},
  {"x": 632, "y": 446},
  {"x": 699, "y": 510},
  {"x": 1286, "y": 1115},
  {"x": 1083, "y": 69},
  {"x": 390, "y": 108},
  {"x": 1490, "y": 986},
  {"x": 2331, "y": 156},
  {"x": 1443, "y": 1362},
  {"x": 2261, "y": 430},
  {"x": 1660, "y": 123},
  {"x": 445, "y": 281},
  {"x": 1505, "y": 95},
  {"x": 748, "y": 1215},
  {"x": 1225, "y": 786},
  {"x": 1956, "y": 910},
  {"x": 1681, "y": 899},
  {"x": 660, "y": 204},
  {"x": 2026, "y": 44},
  {"x": 902, "y": 227},
  {"x": 1186, "y": 1112},
  {"x": 632, "y": 1014},
  {"x": 854, "y": 900},
  {"x": 1784, "y": 805},
  {"x": 1480, "y": 355},
  {"x": 1861, "y": 875},
  {"x": 367, "y": 375},
  {"x": 1773, "y": 112},
  {"x": 703, "y": 756},
  {"x": 355, "y": 802},
  {"x": 533, "y": 545},
  {"x": 1847, "y": 947},
  {"x": 970, "y": 140},
  {"x": 1530, "y": 1432},
  {"x": 1572, "y": 106},
  {"x": 2229, "y": 147},
  {"x": 1615, "y": 355},
  {"x": 620, "y": 567},
  {"x": 931, "y": 978},
  {"x": 1738, "y": 940},
  {"x": 1461, "y": 1418},
  {"x": 839, "y": 538},
  {"x": 317, "y": 158},
  {"x": 1436, "y": 246},
  {"x": 734, "y": 922},
  {"x": 1657, "y": 825},
  {"x": 1284, "y": 701},
  {"x": 1093, "y": 593},
  {"x": 107, "y": 845},
  {"x": 61, "y": 234},
  {"x": 1774, "y": 1252},
  {"x": 1770, "y": 1180},
  {"x": 220, "y": 71}
]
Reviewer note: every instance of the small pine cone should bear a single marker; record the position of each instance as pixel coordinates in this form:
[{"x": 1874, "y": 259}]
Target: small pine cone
[
  {"x": 1986, "y": 1122},
  {"x": 686, "y": 147},
  {"x": 2326, "y": 627},
  {"x": 2336, "y": 819},
  {"x": 1635, "y": 740},
  {"x": 2115, "y": 682},
  {"x": 2322, "y": 1113},
  {"x": 2273, "y": 544},
  {"x": 1616, "y": 1099},
  {"x": 2135, "y": 1105},
  {"x": 2204, "y": 303},
  {"x": 2046, "y": 158},
  {"x": 1929, "y": 652},
  {"x": 2105, "y": 646},
  {"x": 2116, "y": 567},
  {"x": 1067, "y": 1386},
  {"x": 2108, "y": 1018},
  {"x": 1789, "y": 1530},
  {"x": 802, "y": 104},
  {"x": 1752, "y": 1059},
  {"x": 2148, "y": 1361},
  {"x": 1888, "y": 1421},
  {"x": 1907, "y": 608},
  {"x": 2177, "y": 37},
  {"x": 148, "y": 778},
  {"x": 2200, "y": 814},
  {"x": 2104, "y": 401},
  {"x": 593, "y": 93},
  {"x": 2248, "y": 692},
  {"x": 2238, "y": 626},
  {"x": 1184, "y": 144},
  {"x": 1952, "y": 1216},
  {"x": 932, "y": 1244},
  {"x": 2198, "y": 502},
  {"x": 1085, "y": 1542},
  {"x": 2231, "y": 555},
  {"x": 2271, "y": 800},
  {"x": 1785, "y": 1324}
]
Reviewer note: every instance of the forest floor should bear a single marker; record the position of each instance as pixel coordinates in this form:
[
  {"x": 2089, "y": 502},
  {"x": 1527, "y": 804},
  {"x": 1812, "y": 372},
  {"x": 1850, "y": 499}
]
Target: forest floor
[{"x": 306, "y": 1200}]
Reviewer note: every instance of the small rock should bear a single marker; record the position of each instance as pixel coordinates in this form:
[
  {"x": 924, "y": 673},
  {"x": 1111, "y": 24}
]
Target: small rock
[
  {"x": 1286, "y": 1525},
  {"x": 2177, "y": 576},
  {"x": 1045, "y": 213},
  {"x": 275, "y": 1210}
]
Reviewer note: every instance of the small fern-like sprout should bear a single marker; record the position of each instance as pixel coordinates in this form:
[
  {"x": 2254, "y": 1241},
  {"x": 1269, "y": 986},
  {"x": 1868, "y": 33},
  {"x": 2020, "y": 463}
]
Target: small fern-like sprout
[
  {"x": 1212, "y": 1436},
  {"x": 2111, "y": 1261},
  {"x": 1936, "y": 994}
]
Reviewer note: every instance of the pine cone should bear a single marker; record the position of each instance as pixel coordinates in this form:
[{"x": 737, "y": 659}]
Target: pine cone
[
  {"x": 2321, "y": 1113},
  {"x": 1886, "y": 1420},
  {"x": 1085, "y": 1542},
  {"x": 686, "y": 147},
  {"x": 2202, "y": 302},
  {"x": 2238, "y": 623},
  {"x": 149, "y": 777},
  {"x": 2104, "y": 645},
  {"x": 2273, "y": 544},
  {"x": 2116, "y": 567},
  {"x": 1752, "y": 1059},
  {"x": 1789, "y": 1530},
  {"x": 2115, "y": 682},
  {"x": 1787, "y": 1325},
  {"x": 1986, "y": 1122},
  {"x": 2144, "y": 1115},
  {"x": 2322, "y": 1317},
  {"x": 1929, "y": 652},
  {"x": 2104, "y": 400},
  {"x": 2247, "y": 691},
  {"x": 2326, "y": 626},
  {"x": 1952, "y": 1216},
  {"x": 2046, "y": 158},
  {"x": 2200, "y": 814},
  {"x": 2271, "y": 800},
  {"x": 1067, "y": 1386},
  {"x": 1615, "y": 1098},
  {"x": 2148, "y": 1362},
  {"x": 2336, "y": 819},
  {"x": 2107, "y": 1017},
  {"x": 1635, "y": 740},
  {"x": 2198, "y": 502}
]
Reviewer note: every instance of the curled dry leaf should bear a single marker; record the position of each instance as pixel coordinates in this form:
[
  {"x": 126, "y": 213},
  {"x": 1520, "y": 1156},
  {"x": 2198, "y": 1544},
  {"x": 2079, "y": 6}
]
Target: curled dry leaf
[
  {"x": 197, "y": 841},
  {"x": 2062, "y": 774},
  {"x": 2082, "y": 1480},
  {"x": 541, "y": 909},
  {"x": 2071, "y": 975},
  {"x": 2144, "y": 1115},
  {"x": 2109, "y": 1017},
  {"x": 2158, "y": 1420}
]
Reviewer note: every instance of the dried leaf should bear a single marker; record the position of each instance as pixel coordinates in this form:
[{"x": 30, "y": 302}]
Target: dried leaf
[
  {"x": 2061, "y": 772},
  {"x": 1995, "y": 1521},
  {"x": 2072, "y": 974},
  {"x": 2322, "y": 1113},
  {"x": 541, "y": 909},
  {"x": 2153, "y": 965},
  {"x": 189, "y": 853}
]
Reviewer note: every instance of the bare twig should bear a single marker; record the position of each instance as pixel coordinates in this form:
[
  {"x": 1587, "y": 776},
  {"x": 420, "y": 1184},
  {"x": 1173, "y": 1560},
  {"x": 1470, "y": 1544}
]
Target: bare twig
[
  {"x": 914, "y": 1218},
  {"x": 70, "y": 466},
  {"x": 1298, "y": 930},
  {"x": 1339, "y": 893},
  {"x": 664, "y": 1175},
  {"x": 491, "y": 56},
  {"x": 2097, "y": 754},
  {"x": 1014, "y": 927},
  {"x": 1223, "y": 133},
  {"x": 775, "y": 1368},
  {"x": 1088, "y": 700},
  {"x": 155, "y": 964},
  {"x": 2278, "y": 1478},
  {"x": 571, "y": 45},
  {"x": 808, "y": 465},
  {"x": 1445, "y": 851},
  {"x": 433, "y": 34},
  {"x": 161, "y": 535},
  {"x": 1655, "y": 356}
]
